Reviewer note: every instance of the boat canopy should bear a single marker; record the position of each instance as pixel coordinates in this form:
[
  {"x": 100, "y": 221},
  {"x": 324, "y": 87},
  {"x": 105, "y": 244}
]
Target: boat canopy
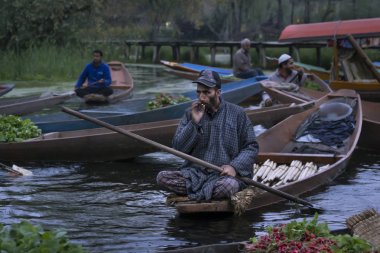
[{"x": 359, "y": 28}]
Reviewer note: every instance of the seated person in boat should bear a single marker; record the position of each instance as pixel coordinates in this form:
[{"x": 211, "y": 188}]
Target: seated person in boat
[
  {"x": 286, "y": 73},
  {"x": 286, "y": 77},
  {"x": 97, "y": 75},
  {"x": 242, "y": 66},
  {"x": 215, "y": 131}
]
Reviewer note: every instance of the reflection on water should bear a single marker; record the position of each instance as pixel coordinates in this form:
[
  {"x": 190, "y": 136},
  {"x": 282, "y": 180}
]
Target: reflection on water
[{"x": 117, "y": 206}]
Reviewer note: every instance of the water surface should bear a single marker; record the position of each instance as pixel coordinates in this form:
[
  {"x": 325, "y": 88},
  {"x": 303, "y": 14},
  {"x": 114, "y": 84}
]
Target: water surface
[{"x": 117, "y": 206}]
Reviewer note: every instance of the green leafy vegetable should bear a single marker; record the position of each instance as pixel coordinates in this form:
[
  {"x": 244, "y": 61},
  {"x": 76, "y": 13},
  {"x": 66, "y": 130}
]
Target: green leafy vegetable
[
  {"x": 15, "y": 129},
  {"x": 162, "y": 100},
  {"x": 24, "y": 237}
]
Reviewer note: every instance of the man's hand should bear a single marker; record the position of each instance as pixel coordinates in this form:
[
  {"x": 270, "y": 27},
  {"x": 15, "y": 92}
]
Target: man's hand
[
  {"x": 197, "y": 111},
  {"x": 228, "y": 170},
  {"x": 100, "y": 81}
]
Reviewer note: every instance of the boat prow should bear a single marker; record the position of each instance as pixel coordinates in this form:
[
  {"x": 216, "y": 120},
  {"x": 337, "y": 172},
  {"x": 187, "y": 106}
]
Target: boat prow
[{"x": 5, "y": 88}]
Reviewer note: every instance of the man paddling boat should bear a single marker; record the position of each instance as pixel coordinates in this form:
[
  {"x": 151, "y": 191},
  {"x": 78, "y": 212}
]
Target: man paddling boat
[{"x": 215, "y": 131}]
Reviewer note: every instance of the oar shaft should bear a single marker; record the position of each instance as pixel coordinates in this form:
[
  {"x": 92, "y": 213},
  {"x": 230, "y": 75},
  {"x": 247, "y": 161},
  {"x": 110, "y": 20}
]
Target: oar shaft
[
  {"x": 141, "y": 138},
  {"x": 183, "y": 155}
]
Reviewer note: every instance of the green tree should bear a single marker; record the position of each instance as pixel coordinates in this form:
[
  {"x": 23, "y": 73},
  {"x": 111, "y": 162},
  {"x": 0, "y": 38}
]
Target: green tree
[{"x": 30, "y": 22}]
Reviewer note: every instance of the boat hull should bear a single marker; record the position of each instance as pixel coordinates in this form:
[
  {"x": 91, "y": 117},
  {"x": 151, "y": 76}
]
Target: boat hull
[{"x": 100, "y": 144}]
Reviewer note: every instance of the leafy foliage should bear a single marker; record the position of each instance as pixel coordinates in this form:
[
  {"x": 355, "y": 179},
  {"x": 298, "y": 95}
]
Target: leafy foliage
[
  {"x": 15, "y": 129},
  {"x": 163, "y": 100},
  {"x": 306, "y": 237},
  {"x": 24, "y": 23},
  {"x": 30, "y": 22},
  {"x": 24, "y": 237}
]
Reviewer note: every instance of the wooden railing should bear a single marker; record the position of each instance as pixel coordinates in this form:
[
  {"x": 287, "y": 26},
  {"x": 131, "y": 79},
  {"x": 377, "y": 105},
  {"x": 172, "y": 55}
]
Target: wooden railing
[{"x": 139, "y": 47}]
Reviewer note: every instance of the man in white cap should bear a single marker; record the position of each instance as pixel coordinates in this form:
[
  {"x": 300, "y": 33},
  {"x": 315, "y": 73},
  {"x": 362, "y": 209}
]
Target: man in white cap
[
  {"x": 242, "y": 66},
  {"x": 286, "y": 72}
]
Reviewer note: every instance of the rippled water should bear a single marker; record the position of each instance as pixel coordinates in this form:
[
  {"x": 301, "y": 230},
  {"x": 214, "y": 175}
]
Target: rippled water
[{"x": 117, "y": 207}]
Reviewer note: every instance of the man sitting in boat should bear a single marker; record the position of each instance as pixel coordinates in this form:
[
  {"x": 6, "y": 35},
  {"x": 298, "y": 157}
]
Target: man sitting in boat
[
  {"x": 98, "y": 77},
  {"x": 215, "y": 131},
  {"x": 242, "y": 66},
  {"x": 286, "y": 74},
  {"x": 285, "y": 78}
]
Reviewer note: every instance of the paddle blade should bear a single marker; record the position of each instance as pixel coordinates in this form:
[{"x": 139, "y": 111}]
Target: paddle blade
[{"x": 21, "y": 171}]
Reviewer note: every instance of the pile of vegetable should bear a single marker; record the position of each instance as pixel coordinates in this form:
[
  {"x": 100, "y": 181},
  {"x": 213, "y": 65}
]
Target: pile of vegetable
[
  {"x": 24, "y": 237},
  {"x": 305, "y": 237},
  {"x": 162, "y": 100},
  {"x": 15, "y": 129},
  {"x": 273, "y": 174}
]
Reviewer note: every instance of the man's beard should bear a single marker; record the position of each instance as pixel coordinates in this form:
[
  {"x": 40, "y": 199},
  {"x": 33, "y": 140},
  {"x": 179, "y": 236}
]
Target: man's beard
[
  {"x": 289, "y": 71},
  {"x": 212, "y": 104}
]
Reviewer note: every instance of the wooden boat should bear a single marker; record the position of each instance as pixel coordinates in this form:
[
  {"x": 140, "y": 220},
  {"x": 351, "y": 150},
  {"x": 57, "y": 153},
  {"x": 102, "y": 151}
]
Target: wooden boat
[
  {"x": 309, "y": 69},
  {"x": 134, "y": 111},
  {"x": 193, "y": 76},
  {"x": 234, "y": 247},
  {"x": 369, "y": 138},
  {"x": 195, "y": 68},
  {"x": 359, "y": 72},
  {"x": 363, "y": 225},
  {"x": 322, "y": 73},
  {"x": 26, "y": 105},
  {"x": 191, "y": 71},
  {"x": 277, "y": 144},
  {"x": 5, "y": 88},
  {"x": 122, "y": 85},
  {"x": 369, "y": 27},
  {"x": 100, "y": 144}
]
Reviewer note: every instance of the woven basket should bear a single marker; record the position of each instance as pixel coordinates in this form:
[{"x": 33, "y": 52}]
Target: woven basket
[{"x": 366, "y": 225}]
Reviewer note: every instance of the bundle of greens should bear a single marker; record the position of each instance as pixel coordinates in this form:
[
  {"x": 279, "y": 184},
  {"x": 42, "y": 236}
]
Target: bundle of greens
[
  {"x": 15, "y": 129},
  {"x": 24, "y": 237},
  {"x": 162, "y": 100}
]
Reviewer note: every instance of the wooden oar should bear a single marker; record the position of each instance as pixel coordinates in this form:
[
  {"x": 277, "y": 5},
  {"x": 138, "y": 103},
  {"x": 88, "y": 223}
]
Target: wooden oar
[
  {"x": 16, "y": 169},
  {"x": 185, "y": 156}
]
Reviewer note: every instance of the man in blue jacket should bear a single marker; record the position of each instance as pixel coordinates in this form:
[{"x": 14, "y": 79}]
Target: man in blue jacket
[{"x": 97, "y": 75}]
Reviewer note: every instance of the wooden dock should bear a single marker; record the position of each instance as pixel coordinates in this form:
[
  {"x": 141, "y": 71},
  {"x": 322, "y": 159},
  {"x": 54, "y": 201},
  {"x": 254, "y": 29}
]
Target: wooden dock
[{"x": 139, "y": 47}]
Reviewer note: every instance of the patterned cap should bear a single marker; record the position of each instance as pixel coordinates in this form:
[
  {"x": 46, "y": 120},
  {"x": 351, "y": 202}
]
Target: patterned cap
[{"x": 209, "y": 78}]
